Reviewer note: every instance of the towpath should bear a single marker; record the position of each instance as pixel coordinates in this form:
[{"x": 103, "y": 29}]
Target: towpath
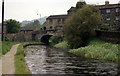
[{"x": 8, "y": 66}]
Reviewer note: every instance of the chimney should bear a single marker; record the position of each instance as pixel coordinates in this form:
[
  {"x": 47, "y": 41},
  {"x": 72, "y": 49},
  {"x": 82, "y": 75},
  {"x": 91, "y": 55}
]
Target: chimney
[{"x": 106, "y": 2}]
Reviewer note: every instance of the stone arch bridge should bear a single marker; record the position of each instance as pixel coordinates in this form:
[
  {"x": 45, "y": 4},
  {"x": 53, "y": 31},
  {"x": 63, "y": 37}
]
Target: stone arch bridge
[
  {"x": 39, "y": 36},
  {"x": 44, "y": 36}
]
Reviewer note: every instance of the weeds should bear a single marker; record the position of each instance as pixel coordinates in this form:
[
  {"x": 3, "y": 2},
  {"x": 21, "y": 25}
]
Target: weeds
[{"x": 98, "y": 49}]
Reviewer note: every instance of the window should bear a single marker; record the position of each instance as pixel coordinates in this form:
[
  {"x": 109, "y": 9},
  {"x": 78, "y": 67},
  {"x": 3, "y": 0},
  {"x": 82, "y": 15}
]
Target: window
[
  {"x": 50, "y": 21},
  {"x": 102, "y": 11},
  {"x": 51, "y": 27},
  {"x": 117, "y": 18},
  {"x": 63, "y": 20},
  {"x": 107, "y": 10},
  {"x": 117, "y": 9},
  {"x": 108, "y": 19},
  {"x": 58, "y": 21}
]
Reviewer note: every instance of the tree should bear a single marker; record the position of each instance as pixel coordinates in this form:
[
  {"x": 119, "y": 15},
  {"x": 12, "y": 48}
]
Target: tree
[
  {"x": 80, "y": 4},
  {"x": 35, "y": 23},
  {"x": 80, "y": 26},
  {"x": 12, "y": 26}
]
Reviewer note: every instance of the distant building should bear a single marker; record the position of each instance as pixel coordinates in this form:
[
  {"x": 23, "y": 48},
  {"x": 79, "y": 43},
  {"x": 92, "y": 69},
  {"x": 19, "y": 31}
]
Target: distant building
[
  {"x": 29, "y": 29},
  {"x": 110, "y": 14},
  {"x": 55, "y": 22}
]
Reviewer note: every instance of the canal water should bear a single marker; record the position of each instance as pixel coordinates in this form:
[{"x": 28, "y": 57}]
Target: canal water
[{"x": 42, "y": 59}]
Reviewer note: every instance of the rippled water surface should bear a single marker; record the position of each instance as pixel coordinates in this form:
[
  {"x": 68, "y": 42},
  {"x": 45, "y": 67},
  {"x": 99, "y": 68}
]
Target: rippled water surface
[{"x": 48, "y": 60}]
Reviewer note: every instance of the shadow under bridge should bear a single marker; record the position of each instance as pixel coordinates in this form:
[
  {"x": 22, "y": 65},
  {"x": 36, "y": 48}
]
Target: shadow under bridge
[{"x": 45, "y": 38}]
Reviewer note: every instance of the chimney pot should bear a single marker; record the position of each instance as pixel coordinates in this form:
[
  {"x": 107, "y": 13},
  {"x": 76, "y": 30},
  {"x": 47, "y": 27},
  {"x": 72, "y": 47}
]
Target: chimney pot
[{"x": 106, "y": 2}]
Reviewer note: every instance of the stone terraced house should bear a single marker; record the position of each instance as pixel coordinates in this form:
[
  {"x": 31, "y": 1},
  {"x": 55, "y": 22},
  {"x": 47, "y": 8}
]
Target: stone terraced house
[{"x": 110, "y": 15}]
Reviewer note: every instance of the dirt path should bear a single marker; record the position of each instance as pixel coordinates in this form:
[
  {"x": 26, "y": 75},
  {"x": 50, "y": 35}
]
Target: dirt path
[{"x": 8, "y": 61}]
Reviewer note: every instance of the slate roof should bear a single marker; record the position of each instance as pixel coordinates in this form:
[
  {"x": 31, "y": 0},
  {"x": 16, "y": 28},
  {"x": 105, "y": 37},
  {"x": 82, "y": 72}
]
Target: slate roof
[
  {"x": 109, "y": 6},
  {"x": 31, "y": 28},
  {"x": 71, "y": 9},
  {"x": 57, "y": 16}
]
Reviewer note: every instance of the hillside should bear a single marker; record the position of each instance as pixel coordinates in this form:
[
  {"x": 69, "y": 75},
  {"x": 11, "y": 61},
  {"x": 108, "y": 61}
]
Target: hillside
[{"x": 42, "y": 20}]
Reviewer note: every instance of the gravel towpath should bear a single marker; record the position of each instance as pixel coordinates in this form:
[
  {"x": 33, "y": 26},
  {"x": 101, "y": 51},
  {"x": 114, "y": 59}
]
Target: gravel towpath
[{"x": 8, "y": 61}]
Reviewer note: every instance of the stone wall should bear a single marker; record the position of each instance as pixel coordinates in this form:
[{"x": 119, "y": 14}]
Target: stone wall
[
  {"x": 30, "y": 36},
  {"x": 109, "y": 36},
  {"x": 21, "y": 37}
]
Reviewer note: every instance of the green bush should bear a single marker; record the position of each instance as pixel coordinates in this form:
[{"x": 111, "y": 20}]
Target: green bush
[
  {"x": 6, "y": 38},
  {"x": 63, "y": 45},
  {"x": 80, "y": 26},
  {"x": 104, "y": 27},
  {"x": 55, "y": 39}
]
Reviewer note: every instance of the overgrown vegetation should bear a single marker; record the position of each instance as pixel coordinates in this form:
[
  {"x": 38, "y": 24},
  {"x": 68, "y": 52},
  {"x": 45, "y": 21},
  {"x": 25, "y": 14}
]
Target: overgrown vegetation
[
  {"x": 80, "y": 26},
  {"x": 104, "y": 27},
  {"x": 20, "y": 64},
  {"x": 12, "y": 26},
  {"x": 6, "y": 46},
  {"x": 98, "y": 49},
  {"x": 55, "y": 39},
  {"x": 35, "y": 23},
  {"x": 63, "y": 45}
]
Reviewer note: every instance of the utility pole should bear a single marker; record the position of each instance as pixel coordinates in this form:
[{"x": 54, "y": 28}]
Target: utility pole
[
  {"x": 2, "y": 19},
  {"x": 40, "y": 18}
]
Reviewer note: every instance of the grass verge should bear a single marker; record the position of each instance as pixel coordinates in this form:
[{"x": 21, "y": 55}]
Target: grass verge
[
  {"x": 20, "y": 64},
  {"x": 98, "y": 49},
  {"x": 6, "y": 46}
]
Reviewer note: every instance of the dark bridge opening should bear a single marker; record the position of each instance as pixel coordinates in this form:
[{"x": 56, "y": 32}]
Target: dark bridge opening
[{"x": 45, "y": 39}]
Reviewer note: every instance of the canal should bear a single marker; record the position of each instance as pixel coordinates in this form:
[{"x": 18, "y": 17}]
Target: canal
[{"x": 42, "y": 59}]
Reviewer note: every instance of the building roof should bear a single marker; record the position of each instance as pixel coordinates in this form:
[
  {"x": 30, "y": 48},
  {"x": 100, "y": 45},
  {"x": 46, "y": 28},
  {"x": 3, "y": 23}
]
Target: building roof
[
  {"x": 57, "y": 16},
  {"x": 31, "y": 28},
  {"x": 71, "y": 9},
  {"x": 109, "y": 6}
]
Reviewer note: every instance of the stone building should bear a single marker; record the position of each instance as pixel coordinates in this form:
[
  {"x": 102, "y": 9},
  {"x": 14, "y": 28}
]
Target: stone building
[
  {"x": 110, "y": 14},
  {"x": 55, "y": 22}
]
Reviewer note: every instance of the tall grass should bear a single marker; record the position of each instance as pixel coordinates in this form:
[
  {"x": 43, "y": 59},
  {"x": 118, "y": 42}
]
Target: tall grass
[
  {"x": 63, "y": 45},
  {"x": 98, "y": 49},
  {"x": 20, "y": 64}
]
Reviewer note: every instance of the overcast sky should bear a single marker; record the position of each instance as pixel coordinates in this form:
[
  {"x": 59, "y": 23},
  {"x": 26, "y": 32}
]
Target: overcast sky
[{"x": 28, "y": 9}]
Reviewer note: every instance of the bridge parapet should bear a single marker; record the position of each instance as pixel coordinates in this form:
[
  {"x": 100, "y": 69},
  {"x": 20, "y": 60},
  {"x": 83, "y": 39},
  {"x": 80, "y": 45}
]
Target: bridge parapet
[{"x": 32, "y": 36}]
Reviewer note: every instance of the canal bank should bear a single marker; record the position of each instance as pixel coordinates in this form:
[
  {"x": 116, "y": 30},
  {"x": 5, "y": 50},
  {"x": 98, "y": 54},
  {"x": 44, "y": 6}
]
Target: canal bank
[
  {"x": 96, "y": 48},
  {"x": 20, "y": 64},
  {"x": 42, "y": 59}
]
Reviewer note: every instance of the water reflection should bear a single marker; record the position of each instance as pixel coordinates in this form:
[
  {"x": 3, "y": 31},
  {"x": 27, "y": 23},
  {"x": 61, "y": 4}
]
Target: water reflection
[{"x": 47, "y": 60}]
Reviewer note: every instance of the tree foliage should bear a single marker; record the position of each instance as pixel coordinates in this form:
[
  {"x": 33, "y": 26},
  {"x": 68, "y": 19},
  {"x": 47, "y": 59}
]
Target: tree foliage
[
  {"x": 35, "y": 23},
  {"x": 80, "y": 26},
  {"x": 80, "y": 4},
  {"x": 12, "y": 26}
]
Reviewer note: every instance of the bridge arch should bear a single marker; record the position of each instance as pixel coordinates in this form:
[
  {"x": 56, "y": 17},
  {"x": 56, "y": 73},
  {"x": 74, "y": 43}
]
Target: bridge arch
[{"x": 45, "y": 38}]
